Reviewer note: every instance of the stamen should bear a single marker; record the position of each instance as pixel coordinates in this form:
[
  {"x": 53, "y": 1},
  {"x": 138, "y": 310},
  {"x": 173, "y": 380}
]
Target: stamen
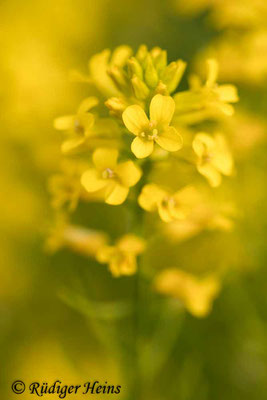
[
  {"x": 78, "y": 127},
  {"x": 108, "y": 173}
]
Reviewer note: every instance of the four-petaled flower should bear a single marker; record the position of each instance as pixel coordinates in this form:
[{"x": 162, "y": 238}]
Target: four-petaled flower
[
  {"x": 113, "y": 177},
  {"x": 157, "y": 129},
  {"x": 122, "y": 256},
  {"x": 79, "y": 126},
  {"x": 197, "y": 294},
  {"x": 213, "y": 157},
  {"x": 170, "y": 207}
]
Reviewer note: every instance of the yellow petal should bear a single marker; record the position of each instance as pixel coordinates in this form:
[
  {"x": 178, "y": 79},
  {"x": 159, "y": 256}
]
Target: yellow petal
[
  {"x": 202, "y": 143},
  {"x": 104, "y": 254},
  {"x": 116, "y": 194},
  {"x": 128, "y": 173},
  {"x": 141, "y": 147},
  {"x": 120, "y": 55},
  {"x": 212, "y": 72},
  {"x": 150, "y": 196},
  {"x": 211, "y": 174},
  {"x": 71, "y": 144},
  {"x": 64, "y": 123},
  {"x": 188, "y": 196},
  {"x": 227, "y": 93},
  {"x": 200, "y": 295},
  {"x": 91, "y": 180},
  {"x": 170, "y": 139},
  {"x": 131, "y": 244},
  {"x": 135, "y": 119},
  {"x": 224, "y": 108},
  {"x": 87, "y": 104},
  {"x": 222, "y": 159},
  {"x": 85, "y": 120},
  {"x": 104, "y": 158},
  {"x": 162, "y": 109},
  {"x": 115, "y": 267},
  {"x": 98, "y": 66},
  {"x": 124, "y": 265},
  {"x": 164, "y": 212}
]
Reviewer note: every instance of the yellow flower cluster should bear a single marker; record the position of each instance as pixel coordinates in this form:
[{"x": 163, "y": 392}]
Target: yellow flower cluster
[{"x": 128, "y": 144}]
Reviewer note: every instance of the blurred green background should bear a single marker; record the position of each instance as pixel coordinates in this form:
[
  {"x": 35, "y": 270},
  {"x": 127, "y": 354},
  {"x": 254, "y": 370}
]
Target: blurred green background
[{"x": 223, "y": 356}]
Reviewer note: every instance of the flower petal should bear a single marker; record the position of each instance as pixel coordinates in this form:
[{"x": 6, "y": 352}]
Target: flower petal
[
  {"x": 131, "y": 244},
  {"x": 64, "y": 123},
  {"x": 222, "y": 159},
  {"x": 202, "y": 143},
  {"x": 200, "y": 295},
  {"x": 164, "y": 212},
  {"x": 85, "y": 121},
  {"x": 87, "y": 104},
  {"x": 211, "y": 174},
  {"x": 91, "y": 181},
  {"x": 128, "y": 173},
  {"x": 227, "y": 93},
  {"x": 116, "y": 194},
  {"x": 71, "y": 144},
  {"x": 104, "y": 254},
  {"x": 135, "y": 119},
  {"x": 212, "y": 65},
  {"x": 162, "y": 109},
  {"x": 150, "y": 196},
  {"x": 141, "y": 147},
  {"x": 170, "y": 139},
  {"x": 104, "y": 158}
]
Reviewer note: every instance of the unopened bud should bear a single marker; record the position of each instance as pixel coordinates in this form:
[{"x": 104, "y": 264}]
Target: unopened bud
[
  {"x": 151, "y": 76},
  {"x": 160, "y": 61},
  {"x": 135, "y": 68},
  {"x": 141, "y": 54},
  {"x": 161, "y": 88},
  {"x": 141, "y": 90},
  {"x": 118, "y": 77},
  {"x": 116, "y": 105},
  {"x": 173, "y": 74}
]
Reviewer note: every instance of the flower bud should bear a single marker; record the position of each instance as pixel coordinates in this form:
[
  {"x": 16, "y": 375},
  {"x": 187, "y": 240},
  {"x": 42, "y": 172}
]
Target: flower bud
[
  {"x": 141, "y": 54},
  {"x": 161, "y": 89},
  {"x": 141, "y": 90},
  {"x": 118, "y": 77},
  {"x": 160, "y": 61},
  {"x": 135, "y": 68},
  {"x": 173, "y": 74},
  {"x": 151, "y": 76},
  {"x": 116, "y": 105}
]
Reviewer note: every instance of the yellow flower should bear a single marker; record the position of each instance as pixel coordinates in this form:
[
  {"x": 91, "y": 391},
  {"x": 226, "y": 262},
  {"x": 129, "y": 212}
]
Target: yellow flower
[
  {"x": 82, "y": 241},
  {"x": 196, "y": 294},
  {"x": 78, "y": 125},
  {"x": 122, "y": 257},
  {"x": 204, "y": 101},
  {"x": 157, "y": 130},
  {"x": 114, "y": 178},
  {"x": 213, "y": 157},
  {"x": 224, "y": 94},
  {"x": 65, "y": 186},
  {"x": 170, "y": 207},
  {"x": 106, "y": 70}
]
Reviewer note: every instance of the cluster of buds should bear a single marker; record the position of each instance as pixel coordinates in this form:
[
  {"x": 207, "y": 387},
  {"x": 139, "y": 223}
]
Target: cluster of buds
[{"x": 143, "y": 143}]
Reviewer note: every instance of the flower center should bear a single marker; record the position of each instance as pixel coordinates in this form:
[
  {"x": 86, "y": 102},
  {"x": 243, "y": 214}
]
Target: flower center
[
  {"x": 78, "y": 128},
  {"x": 207, "y": 157},
  {"x": 168, "y": 201},
  {"x": 151, "y": 133},
  {"x": 108, "y": 173}
]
